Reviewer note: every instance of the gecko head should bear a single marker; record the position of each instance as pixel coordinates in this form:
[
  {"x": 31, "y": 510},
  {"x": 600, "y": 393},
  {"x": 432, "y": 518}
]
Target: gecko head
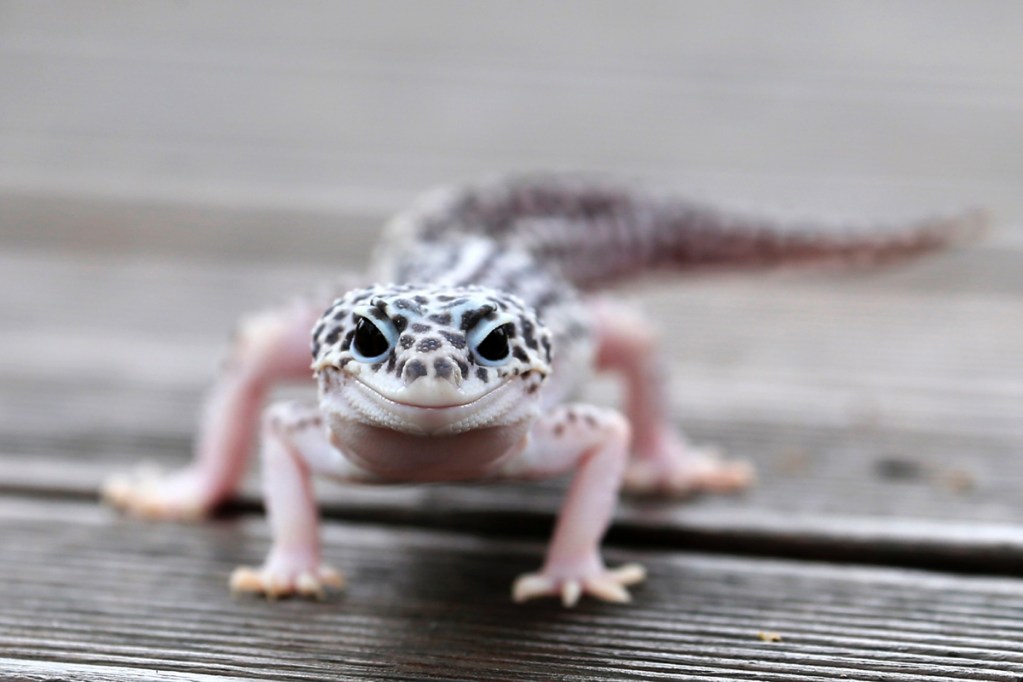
[{"x": 430, "y": 361}]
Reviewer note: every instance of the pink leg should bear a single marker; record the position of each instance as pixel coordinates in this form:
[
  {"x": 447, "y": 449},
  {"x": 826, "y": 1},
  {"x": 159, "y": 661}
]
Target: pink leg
[
  {"x": 269, "y": 347},
  {"x": 664, "y": 461},
  {"x": 594, "y": 441},
  {"x": 294, "y": 446}
]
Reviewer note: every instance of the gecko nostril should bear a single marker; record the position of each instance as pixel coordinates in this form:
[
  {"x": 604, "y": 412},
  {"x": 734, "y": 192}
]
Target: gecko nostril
[
  {"x": 414, "y": 369},
  {"x": 445, "y": 369}
]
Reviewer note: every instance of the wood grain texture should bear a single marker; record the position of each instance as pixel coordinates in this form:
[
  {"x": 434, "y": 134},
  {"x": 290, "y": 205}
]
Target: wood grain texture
[
  {"x": 132, "y": 598},
  {"x": 836, "y": 107},
  {"x": 828, "y": 384},
  {"x": 167, "y": 167}
]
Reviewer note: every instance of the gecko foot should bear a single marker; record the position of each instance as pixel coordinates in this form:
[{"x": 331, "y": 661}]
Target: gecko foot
[
  {"x": 605, "y": 584},
  {"x": 675, "y": 468},
  {"x": 282, "y": 577},
  {"x": 149, "y": 493}
]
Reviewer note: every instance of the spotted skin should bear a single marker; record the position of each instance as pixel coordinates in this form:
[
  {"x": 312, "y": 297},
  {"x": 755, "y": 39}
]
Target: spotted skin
[
  {"x": 436, "y": 323},
  {"x": 432, "y": 327},
  {"x": 452, "y": 359}
]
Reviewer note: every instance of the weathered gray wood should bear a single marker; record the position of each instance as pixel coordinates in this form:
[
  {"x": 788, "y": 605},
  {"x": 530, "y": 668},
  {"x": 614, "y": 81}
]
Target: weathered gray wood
[
  {"x": 821, "y": 493},
  {"x": 202, "y": 232},
  {"x": 829, "y": 384},
  {"x": 164, "y": 168},
  {"x": 132, "y": 598},
  {"x": 320, "y": 238},
  {"x": 885, "y": 326},
  {"x": 17, "y": 670},
  {"x": 343, "y": 105}
]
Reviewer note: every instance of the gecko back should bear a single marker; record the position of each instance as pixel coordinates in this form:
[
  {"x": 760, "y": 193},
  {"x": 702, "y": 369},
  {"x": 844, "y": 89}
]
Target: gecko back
[{"x": 594, "y": 232}]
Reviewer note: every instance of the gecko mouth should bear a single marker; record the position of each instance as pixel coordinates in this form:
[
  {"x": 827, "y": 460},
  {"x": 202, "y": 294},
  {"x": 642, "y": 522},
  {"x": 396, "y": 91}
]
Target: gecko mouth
[{"x": 423, "y": 418}]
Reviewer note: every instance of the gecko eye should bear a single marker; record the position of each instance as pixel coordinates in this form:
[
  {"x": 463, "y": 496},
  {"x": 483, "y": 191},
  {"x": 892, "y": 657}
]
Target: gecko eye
[
  {"x": 493, "y": 349},
  {"x": 370, "y": 344}
]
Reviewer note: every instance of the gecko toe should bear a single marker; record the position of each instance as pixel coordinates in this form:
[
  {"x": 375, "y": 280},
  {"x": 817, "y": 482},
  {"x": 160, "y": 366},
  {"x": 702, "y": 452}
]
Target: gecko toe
[
  {"x": 608, "y": 589},
  {"x": 676, "y": 469},
  {"x": 605, "y": 584},
  {"x": 330, "y": 577},
  {"x": 149, "y": 493},
  {"x": 531, "y": 586},
  {"x": 275, "y": 582},
  {"x": 309, "y": 585},
  {"x": 245, "y": 579},
  {"x": 570, "y": 593},
  {"x": 629, "y": 574}
]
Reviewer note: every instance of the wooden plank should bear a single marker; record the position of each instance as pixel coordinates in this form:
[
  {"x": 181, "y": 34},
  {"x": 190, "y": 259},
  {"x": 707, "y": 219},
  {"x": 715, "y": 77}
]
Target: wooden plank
[
  {"x": 886, "y": 350},
  {"x": 883, "y": 413},
  {"x": 48, "y": 671},
  {"x": 860, "y": 399},
  {"x": 134, "y": 598},
  {"x": 274, "y": 235},
  {"x": 915, "y": 501},
  {"x": 325, "y": 239}
]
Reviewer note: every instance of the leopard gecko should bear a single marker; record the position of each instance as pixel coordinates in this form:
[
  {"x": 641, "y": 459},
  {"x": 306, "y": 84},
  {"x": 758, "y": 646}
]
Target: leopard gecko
[{"x": 454, "y": 357}]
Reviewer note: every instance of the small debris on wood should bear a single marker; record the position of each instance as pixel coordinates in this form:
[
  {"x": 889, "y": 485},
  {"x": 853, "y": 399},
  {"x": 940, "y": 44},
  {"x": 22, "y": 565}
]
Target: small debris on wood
[
  {"x": 767, "y": 636},
  {"x": 898, "y": 469},
  {"x": 793, "y": 460},
  {"x": 957, "y": 480}
]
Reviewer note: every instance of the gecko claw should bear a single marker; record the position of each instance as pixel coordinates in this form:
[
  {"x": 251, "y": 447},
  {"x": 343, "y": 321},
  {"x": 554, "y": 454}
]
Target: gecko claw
[
  {"x": 308, "y": 586},
  {"x": 570, "y": 593}
]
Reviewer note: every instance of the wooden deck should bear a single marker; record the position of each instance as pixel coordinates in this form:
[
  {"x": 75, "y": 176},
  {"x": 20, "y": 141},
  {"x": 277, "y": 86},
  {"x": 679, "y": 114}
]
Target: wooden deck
[{"x": 166, "y": 167}]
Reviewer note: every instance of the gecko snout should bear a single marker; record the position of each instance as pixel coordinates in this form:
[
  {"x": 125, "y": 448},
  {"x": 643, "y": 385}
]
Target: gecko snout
[
  {"x": 432, "y": 383},
  {"x": 441, "y": 369}
]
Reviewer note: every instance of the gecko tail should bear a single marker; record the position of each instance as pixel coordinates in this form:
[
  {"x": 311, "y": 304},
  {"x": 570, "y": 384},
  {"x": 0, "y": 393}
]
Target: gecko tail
[
  {"x": 713, "y": 240},
  {"x": 596, "y": 232}
]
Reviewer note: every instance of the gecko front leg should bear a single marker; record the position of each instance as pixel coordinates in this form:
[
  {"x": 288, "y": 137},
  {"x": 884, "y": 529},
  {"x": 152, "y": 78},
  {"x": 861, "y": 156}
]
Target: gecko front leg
[
  {"x": 295, "y": 445},
  {"x": 664, "y": 461},
  {"x": 594, "y": 441}
]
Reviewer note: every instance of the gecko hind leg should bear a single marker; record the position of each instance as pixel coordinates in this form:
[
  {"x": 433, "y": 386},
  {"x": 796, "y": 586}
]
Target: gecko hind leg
[
  {"x": 268, "y": 347},
  {"x": 664, "y": 461}
]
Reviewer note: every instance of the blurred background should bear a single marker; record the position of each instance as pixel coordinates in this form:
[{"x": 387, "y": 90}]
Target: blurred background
[
  {"x": 167, "y": 166},
  {"x": 350, "y": 108}
]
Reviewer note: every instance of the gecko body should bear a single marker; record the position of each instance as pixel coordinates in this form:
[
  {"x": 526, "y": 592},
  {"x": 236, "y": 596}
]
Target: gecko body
[{"x": 453, "y": 358}]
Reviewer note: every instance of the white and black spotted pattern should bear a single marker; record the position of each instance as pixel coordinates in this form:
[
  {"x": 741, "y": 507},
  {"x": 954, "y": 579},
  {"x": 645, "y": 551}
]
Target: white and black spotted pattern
[
  {"x": 432, "y": 332},
  {"x": 521, "y": 247},
  {"x": 593, "y": 231}
]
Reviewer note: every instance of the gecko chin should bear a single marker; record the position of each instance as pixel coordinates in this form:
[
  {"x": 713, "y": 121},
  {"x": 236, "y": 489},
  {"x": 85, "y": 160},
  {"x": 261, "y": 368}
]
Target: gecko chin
[
  {"x": 402, "y": 441},
  {"x": 396, "y": 457}
]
